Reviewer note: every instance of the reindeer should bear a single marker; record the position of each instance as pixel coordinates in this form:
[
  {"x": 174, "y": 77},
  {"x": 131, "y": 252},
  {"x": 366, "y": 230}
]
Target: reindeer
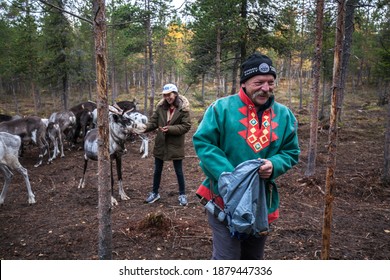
[
  {"x": 138, "y": 117},
  {"x": 9, "y": 150},
  {"x": 5, "y": 118},
  {"x": 59, "y": 126},
  {"x": 132, "y": 112},
  {"x": 83, "y": 113},
  {"x": 29, "y": 129},
  {"x": 127, "y": 105},
  {"x": 119, "y": 129}
]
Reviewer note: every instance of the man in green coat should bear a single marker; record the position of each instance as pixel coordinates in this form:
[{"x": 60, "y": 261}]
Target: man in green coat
[
  {"x": 172, "y": 121},
  {"x": 248, "y": 125}
]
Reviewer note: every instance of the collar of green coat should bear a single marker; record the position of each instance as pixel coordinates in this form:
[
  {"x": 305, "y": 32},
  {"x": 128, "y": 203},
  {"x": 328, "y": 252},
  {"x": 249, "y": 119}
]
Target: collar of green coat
[
  {"x": 244, "y": 97},
  {"x": 257, "y": 133}
]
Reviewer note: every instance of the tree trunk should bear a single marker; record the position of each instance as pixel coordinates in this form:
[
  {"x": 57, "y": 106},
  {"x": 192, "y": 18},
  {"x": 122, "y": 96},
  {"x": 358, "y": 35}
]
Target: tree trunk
[
  {"x": 149, "y": 52},
  {"x": 312, "y": 151},
  {"x": 2, "y": 92},
  {"x": 16, "y": 103},
  {"x": 145, "y": 79},
  {"x": 289, "y": 78},
  {"x": 386, "y": 168},
  {"x": 322, "y": 111},
  {"x": 127, "y": 85},
  {"x": 65, "y": 87},
  {"x": 90, "y": 90},
  {"x": 300, "y": 80},
  {"x": 203, "y": 89},
  {"x": 359, "y": 80},
  {"x": 218, "y": 63},
  {"x": 244, "y": 36},
  {"x": 152, "y": 73},
  {"x": 333, "y": 131},
  {"x": 301, "y": 58},
  {"x": 34, "y": 96},
  {"x": 349, "y": 29},
  {"x": 104, "y": 207},
  {"x": 225, "y": 84},
  {"x": 114, "y": 86},
  {"x": 236, "y": 65}
]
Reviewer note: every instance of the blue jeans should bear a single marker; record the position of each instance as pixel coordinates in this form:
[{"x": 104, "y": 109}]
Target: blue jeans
[{"x": 158, "y": 168}]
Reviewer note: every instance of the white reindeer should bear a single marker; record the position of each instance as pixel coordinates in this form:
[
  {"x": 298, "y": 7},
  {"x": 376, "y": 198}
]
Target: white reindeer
[
  {"x": 9, "y": 151},
  {"x": 138, "y": 117}
]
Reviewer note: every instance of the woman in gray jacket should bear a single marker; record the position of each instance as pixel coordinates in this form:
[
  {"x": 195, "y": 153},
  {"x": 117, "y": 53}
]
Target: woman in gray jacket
[{"x": 172, "y": 121}]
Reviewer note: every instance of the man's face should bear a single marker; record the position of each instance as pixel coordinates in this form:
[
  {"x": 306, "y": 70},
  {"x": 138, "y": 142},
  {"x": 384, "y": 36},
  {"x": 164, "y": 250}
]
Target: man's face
[
  {"x": 259, "y": 88},
  {"x": 170, "y": 97}
]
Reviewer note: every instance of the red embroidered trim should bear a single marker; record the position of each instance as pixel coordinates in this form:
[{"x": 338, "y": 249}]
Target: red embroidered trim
[
  {"x": 203, "y": 191},
  {"x": 257, "y": 135}
]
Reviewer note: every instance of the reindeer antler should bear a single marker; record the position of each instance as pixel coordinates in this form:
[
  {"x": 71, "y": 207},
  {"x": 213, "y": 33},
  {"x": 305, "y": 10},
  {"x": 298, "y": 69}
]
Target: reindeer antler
[
  {"x": 116, "y": 106},
  {"x": 115, "y": 109},
  {"x": 128, "y": 111}
]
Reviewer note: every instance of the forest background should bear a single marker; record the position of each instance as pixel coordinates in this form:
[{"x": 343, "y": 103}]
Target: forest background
[{"x": 47, "y": 51}]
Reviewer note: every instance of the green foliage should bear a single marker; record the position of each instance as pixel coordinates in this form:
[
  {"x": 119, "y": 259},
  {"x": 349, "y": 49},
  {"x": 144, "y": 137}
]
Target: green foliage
[
  {"x": 7, "y": 35},
  {"x": 82, "y": 56},
  {"x": 382, "y": 67},
  {"x": 46, "y": 46},
  {"x": 19, "y": 44},
  {"x": 57, "y": 37},
  {"x": 128, "y": 21},
  {"x": 210, "y": 15}
]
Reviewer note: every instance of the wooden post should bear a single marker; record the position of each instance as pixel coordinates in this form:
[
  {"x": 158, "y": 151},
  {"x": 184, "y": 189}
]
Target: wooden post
[
  {"x": 332, "y": 145},
  {"x": 104, "y": 204}
]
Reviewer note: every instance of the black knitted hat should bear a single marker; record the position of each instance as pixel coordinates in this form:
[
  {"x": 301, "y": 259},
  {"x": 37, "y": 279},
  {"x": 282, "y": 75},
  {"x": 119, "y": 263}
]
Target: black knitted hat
[{"x": 256, "y": 64}]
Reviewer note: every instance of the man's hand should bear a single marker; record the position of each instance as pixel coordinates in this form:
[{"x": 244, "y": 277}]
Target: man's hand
[{"x": 266, "y": 169}]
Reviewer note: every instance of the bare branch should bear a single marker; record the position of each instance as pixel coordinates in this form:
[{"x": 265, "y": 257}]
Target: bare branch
[{"x": 65, "y": 11}]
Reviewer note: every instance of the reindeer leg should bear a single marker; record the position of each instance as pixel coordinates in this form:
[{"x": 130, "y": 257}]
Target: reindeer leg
[
  {"x": 60, "y": 139},
  {"x": 145, "y": 146},
  {"x": 44, "y": 149},
  {"x": 82, "y": 181},
  {"x": 39, "y": 162},
  {"x": 55, "y": 147},
  {"x": 7, "y": 179},
  {"x": 31, "y": 196},
  {"x": 113, "y": 200},
  {"x": 122, "y": 193}
]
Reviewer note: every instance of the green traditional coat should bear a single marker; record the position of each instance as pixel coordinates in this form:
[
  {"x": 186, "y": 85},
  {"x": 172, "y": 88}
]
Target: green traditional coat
[
  {"x": 170, "y": 145},
  {"x": 231, "y": 133}
]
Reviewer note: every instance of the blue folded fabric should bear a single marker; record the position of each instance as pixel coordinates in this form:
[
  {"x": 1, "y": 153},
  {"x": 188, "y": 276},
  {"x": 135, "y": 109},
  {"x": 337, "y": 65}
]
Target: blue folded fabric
[{"x": 243, "y": 193}]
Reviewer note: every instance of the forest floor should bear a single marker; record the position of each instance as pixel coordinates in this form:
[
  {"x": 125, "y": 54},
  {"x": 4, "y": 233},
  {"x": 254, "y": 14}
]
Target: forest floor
[{"x": 63, "y": 224}]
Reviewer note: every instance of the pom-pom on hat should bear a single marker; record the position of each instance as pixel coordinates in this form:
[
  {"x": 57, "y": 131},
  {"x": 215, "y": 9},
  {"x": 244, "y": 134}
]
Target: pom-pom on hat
[
  {"x": 256, "y": 64},
  {"x": 168, "y": 88}
]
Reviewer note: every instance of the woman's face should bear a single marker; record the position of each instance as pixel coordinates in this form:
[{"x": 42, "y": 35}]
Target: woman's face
[{"x": 170, "y": 97}]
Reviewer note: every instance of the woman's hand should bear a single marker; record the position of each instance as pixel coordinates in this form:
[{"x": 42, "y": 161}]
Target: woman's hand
[{"x": 164, "y": 129}]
